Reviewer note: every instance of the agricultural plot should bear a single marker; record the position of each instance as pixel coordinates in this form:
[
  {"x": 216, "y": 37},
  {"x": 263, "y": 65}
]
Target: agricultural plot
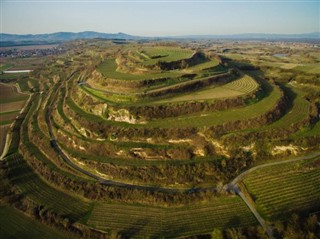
[
  {"x": 11, "y": 102},
  {"x": 8, "y": 117},
  {"x": 152, "y": 55},
  {"x": 9, "y": 94},
  {"x": 6, "y": 66},
  {"x": 22, "y": 175},
  {"x": 280, "y": 190},
  {"x": 203, "y": 66},
  {"x": 195, "y": 120},
  {"x": 15, "y": 224},
  {"x": 24, "y": 84},
  {"x": 299, "y": 112},
  {"x": 310, "y": 132},
  {"x": 117, "y": 124},
  {"x": 109, "y": 97},
  {"x": 221, "y": 117},
  {"x": 238, "y": 87},
  {"x": 142, "y": 221},
  {"x": 308, "y": 68},
  {"x": 109, "y": 70}
]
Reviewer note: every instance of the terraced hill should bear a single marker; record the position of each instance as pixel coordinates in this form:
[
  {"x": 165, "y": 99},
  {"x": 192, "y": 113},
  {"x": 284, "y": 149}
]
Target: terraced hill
[{"x": 141, "y": 140}]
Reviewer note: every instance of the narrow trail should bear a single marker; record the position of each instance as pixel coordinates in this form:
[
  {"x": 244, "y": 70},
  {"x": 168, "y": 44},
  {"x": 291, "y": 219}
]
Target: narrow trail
[{"x": 262, "y": 222}]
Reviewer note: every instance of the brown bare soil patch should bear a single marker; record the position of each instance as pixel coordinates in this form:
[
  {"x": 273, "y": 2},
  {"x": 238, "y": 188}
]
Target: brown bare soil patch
[
  {"x": 8, "y": 91},
  {"x": 12, "y": 106},
  {"x": 8, "y": 117}
]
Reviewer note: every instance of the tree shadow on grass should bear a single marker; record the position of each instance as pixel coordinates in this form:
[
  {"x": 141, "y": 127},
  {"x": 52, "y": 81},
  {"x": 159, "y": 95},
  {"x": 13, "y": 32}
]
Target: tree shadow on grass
[{"x": 134, "y": 229}]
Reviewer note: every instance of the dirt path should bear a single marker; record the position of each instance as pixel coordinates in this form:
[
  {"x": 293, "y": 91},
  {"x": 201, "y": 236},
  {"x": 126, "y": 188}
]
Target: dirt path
[{"x": 262, "y": 222}]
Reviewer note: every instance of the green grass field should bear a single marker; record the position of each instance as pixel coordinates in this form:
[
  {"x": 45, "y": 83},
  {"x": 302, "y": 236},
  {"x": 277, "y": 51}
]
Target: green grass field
[
  {"x": 282, "y": 189},
  {"x": 137, "y": 221},
  {"x": 10, "y": 94},
  {"x": 109, "y": 70},
  {"x": 203, "y": 66},
  {"x": 309, "y": 68},
  {"x": 298, "y": 112},
  {"x": 309, "y": 132},
  {"x": 152, "y": 55},
  {"x": 6, "y": 66},
  {"x": 15, "y": 224},
  {"x": 23, "y": 84},
  {"x": 111, "y": 98}
]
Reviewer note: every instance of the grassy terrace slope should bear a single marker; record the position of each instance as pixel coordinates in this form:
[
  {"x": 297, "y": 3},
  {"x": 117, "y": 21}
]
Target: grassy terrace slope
[
  {"x": 15, "y": 224},
  {"x": 140, "y": 221},
  {"x": 241, "y": 86},
  {"x": 109, "y": 69},
  {"x": 220, "y": 117},
  {"x": 151, "y": 55},
  {"x": 298, "y": 112},
  {"x": 279, "y": 190},
  {"x": 197, "y": 120}
]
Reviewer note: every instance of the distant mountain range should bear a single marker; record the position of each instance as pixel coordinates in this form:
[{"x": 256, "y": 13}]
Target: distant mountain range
[
  {"x": 258, "y": 36},
  {"x": 64, "y": 36},
  {"x": 11, "y": 39}
]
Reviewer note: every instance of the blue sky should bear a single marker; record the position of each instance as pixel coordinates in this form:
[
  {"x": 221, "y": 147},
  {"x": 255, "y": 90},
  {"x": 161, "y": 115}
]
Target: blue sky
[{"x": 156, "y": 18}]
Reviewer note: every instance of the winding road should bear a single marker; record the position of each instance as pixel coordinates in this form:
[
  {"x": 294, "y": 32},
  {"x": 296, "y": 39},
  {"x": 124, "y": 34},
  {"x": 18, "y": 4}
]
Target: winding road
[
  {"x": 67, "y": 160},
  {"x": 232, "y": 186}
]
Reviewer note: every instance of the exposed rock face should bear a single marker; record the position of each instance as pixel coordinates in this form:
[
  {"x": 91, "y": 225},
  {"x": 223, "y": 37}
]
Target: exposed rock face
[{"x": 121, "y": 115}]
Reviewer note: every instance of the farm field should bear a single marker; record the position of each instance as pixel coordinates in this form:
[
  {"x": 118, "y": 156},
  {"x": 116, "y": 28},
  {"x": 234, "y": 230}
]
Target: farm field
[
  {"x": 9, "y": 94},
  {"x": 145, "y": 138},
  {"x": 151, "y": 55},
  {"x": 109, "y": 69},
  {"x": 238, "y": 87},
  {"x": 291, "y": 187},
  {"x": 15, "y": 224},
  {"x": 139, "y": 221},
  {"x": 37, "y": 190},
  {"x": 219, "y": 117},
  {"x": 11, "y": 102}
]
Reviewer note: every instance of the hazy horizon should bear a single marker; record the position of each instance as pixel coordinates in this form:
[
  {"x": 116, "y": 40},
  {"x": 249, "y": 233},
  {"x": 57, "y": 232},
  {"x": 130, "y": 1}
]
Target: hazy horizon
[
  {"x": 160, "y": 18},
  {"x": 231, "y": 34}
]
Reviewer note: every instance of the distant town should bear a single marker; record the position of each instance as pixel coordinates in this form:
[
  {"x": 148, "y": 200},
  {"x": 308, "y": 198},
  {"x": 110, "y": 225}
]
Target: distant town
[{"x": 31, "y": 51}]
